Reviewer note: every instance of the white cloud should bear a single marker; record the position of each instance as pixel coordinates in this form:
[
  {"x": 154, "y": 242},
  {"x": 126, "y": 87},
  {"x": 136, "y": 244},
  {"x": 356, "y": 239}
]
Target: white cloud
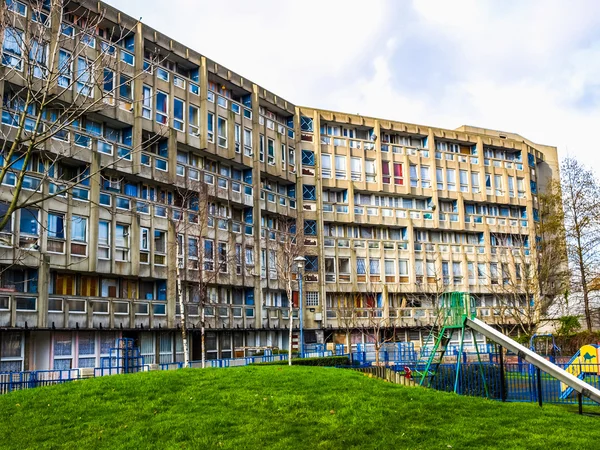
[{"x": 527, "y": 67}]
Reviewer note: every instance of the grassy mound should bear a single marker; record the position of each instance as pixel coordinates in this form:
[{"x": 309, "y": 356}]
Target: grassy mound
[{"x": 276, "y": 407}]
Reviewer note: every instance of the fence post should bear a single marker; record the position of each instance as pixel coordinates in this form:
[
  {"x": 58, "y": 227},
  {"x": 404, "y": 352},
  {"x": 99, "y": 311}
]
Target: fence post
[
  {"x": 580, "y": 401},
  {"x": 539, "y": 385},
  {"x": 502, "y": 379}
]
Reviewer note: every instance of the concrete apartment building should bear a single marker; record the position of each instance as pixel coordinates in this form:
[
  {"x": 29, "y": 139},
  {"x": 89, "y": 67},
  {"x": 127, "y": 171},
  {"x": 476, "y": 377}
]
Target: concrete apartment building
[{"x": 393, "y": 213}]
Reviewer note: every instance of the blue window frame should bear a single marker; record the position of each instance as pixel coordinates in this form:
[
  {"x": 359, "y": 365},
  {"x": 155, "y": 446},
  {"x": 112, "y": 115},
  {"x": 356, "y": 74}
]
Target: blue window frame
[
  {"x": 310, "y": 227},
  {"x": 531, "y": 159},
  {"x": 306, "y": 124},
  {"x": 308, "y": 158},
  {"x": 533, "y": 185},
  {"x": 309, "y": 192},
  {"x": 312, "y": 264}
]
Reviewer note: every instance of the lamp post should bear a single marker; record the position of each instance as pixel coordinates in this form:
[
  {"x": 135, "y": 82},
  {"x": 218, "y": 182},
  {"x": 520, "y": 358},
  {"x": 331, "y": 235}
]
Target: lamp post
[{"x": 300, "y": 260}]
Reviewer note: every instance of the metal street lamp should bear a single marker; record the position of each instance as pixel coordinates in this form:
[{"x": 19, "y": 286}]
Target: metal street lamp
[{"x": 300, "y": 260}]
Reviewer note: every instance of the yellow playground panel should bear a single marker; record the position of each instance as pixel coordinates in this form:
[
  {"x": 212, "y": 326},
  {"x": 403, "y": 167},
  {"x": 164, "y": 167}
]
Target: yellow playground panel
[{"x": 586, "y": 361}]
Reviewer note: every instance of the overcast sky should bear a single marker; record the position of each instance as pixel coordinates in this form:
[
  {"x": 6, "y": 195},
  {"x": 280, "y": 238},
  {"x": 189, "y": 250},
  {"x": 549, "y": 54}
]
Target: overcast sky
[{"x": 525, "y": 66}]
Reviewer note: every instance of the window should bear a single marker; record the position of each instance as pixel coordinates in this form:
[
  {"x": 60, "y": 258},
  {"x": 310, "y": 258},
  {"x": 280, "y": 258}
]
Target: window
[
  {"x": 11, "y": 352},
  {"x": 79, "y": 236},
  {"x": 326, "y": 165},
  {"x": 249, "y": 256},
  {"x": 403, "y": 270},
  {"x": 144, "y": 245},
  {"x": 108, "y": 82},
  {"x": 361, "y": 266},
  {"x": 356, "y": 168},
  {"x": 414, "y": 179},
  {"x": 390, "y": 269},
  {"x": 162, "y": 74},
  {"x": 237, "y": 137},
  {"x": 271, "y": 152},
  {"x": 399, "y": 176},
  {"x": 162, "y": 107},
  {"x": 194, "y": 120},
  {"x": 160, "y": 247},
  {"x": 222, "y": 251},
  {"x": 63, "y": 350},
  {"x": 247, "y": 142},
  {"x": 312, "y": 299},
  {"x": 122, "y": 242},
  {"x": 463, "y": 176},
  {"x": 12, "y": 48},
  {"x": 37, "y": 58},
  {"x": 125, "y": 88},
  {"x": 498, "y": 184},
  {"x": 193, "y": 250},
  {"x": 475, "y": 182},
  {"x": 29, "y": 227},
  {"x": 84, "y": 77},
  {"x": 65, "y": 68},
  {"x": 310, "y": 227},
  {"x": 385, "y": 172},
  {"x": 209, "y": 254},
  {"x": 425, "y": 180},
  {"x": 178, "y": 114},
  {"x": 147, "y": 102},
  {"x": 306, "y": 124},
  {"x": 222, "y": 131},
  {"x": 308, "y": 158},
  {"x": 370, "y": 170},
  {"x": 430, "y": 269},
  {"x": 211, "y": 128},
  {"x": 21, "y": 9},
  {"x": 481, "y": 273},
  {"x": 56, "y": 232},
  {"x": 312, "y": 264},
  {"x": 511, "y": 186},
  {"x": 103, "y": 240},
  {"x": 262, "y": 148},
  {"x": 309, "y": 192},
  {"x": 451, "y": 179},
  {"x": 374, "y": 266},
  {"x": 340, "y": 167},
  {"x": 494, "y": 273},
  {"x": 456, "y": 272}
]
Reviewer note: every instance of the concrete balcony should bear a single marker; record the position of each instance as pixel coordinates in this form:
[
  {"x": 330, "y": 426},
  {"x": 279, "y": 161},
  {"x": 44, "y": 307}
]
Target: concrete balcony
[{"x": 222, "y": 316}]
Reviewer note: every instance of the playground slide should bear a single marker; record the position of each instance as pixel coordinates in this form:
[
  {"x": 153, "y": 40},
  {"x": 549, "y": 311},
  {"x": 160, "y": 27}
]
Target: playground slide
[
  {"x": 563, "y": 376},
  {"x": 584, "y": 362}
]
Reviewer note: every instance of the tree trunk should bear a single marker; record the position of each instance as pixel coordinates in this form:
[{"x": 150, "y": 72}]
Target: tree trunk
[
  {"x": 584, "y": 286},
  {"x": 202, "y": 340},
  {"x": 291, "y": 332},
  {"x": 184, "y": 340}
]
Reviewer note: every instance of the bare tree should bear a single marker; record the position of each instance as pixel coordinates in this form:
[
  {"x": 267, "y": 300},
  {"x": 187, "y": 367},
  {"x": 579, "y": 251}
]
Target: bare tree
[
  {"x": 364, "y": 310},
  {"x": 581, "y": 205},
  {"x": 199, "y": 264},
  {"x": 58, "y": 74},
  {"x": 290, "y": 245}
]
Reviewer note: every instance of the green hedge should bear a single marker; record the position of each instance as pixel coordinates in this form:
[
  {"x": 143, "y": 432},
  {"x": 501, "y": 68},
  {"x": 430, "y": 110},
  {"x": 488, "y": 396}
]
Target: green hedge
[{"x": 327, "y": 361}]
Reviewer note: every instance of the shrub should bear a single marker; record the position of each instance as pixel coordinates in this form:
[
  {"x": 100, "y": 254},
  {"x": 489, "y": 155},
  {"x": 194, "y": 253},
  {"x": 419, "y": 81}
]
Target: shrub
[{"x": 328, "y": 361}]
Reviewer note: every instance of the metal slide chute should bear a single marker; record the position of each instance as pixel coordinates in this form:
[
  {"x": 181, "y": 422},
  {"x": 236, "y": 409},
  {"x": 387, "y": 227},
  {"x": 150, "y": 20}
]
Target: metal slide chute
[{"x": 536, "y": 360}]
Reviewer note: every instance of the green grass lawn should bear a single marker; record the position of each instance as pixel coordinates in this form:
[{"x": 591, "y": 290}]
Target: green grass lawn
[{"x": 276, "y": 407}]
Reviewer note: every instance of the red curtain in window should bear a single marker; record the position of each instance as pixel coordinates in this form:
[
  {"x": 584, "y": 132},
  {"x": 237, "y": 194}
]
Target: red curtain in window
[
  {"x": 385, "y": 171},
  {"x": 398, "y": 177}
]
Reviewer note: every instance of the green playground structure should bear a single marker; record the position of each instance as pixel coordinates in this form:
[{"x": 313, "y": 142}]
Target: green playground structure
[
  {"x": 456, "y": 313},
  {"x": 454, "y": 308}
]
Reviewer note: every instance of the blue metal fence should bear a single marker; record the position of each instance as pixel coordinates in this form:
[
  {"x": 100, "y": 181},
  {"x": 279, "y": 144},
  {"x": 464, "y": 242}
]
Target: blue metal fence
[
  {"x": 522, "y": 382},
  {"x": 14, "y": 381}
]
